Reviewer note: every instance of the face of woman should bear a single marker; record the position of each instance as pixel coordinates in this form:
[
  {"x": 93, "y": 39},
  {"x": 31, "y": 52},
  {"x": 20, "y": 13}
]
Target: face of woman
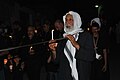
[{"x": 69, "y": 21}]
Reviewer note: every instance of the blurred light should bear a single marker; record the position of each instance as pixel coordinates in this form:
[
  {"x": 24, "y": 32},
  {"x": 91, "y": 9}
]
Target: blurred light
[
  {"x": 11, "y": 67},
  {"x": 6, "y": 30},
  {"x": 35, "y": 31},
  {"x": 31, "y": 48},
  {"x": 88, "y": 29},
  {"x": 96, "y": 6},
  {"x": 10, "y": 37}
]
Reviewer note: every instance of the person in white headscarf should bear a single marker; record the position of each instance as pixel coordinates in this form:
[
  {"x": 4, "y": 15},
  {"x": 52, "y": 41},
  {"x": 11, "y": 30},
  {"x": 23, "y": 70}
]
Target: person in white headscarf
[
  {"x": 76, "y": 52},
  {"x": 72, "y": 29},
  {"x": 100, "y": 65},
  {"x": 96, "y": 20}
]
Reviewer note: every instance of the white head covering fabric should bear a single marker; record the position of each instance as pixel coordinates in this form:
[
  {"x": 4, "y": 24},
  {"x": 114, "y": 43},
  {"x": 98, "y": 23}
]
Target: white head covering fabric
[
  {"x": 72, "y": 50},
  {"x": 77, "y": 23},
  {"x": 97, "y": 20}
]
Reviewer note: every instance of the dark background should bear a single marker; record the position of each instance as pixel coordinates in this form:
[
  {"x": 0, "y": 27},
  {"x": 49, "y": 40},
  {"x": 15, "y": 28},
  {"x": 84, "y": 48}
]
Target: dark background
[
  {"x": 86, "y": 8},
  {"x": 53, "y": 9}
]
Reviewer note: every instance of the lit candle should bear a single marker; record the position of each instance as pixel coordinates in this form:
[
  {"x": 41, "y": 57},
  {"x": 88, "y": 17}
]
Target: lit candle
[
  {"x": 10, "y": 37},
  {"x": 11, "y": 67},
  {"x": 35, "y": 31},
  {"x": 31, "y": 48},
  {"x": 52, "y": 33},
  {"x": 88, "y": 29}
]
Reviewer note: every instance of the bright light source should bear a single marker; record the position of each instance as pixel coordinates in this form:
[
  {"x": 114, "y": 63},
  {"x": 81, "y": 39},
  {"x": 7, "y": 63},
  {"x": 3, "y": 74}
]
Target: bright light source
[
  {"x": 10, "y": 37},
  {"x": 96, "y": 6},
  {"x": 35, "y": 31},
  {"x": 88, "y": 29}
]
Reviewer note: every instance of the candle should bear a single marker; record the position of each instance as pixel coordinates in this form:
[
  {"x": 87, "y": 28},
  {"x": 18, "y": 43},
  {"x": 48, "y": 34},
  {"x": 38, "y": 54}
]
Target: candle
[
  {"x": 52, "y": 33},
  {"x": 10, "y": 37},
  {"x": 11, "y": 67},
  {"x": 35, "y": 31},
  {"x": 31, "y": 48}
]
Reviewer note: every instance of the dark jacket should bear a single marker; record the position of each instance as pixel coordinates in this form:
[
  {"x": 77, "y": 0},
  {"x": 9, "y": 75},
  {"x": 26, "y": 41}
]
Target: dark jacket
[{"x": 86, "y": 52}]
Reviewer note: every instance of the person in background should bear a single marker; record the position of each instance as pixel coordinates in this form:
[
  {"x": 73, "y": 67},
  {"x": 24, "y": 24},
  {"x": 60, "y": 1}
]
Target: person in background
[
  {"x": 100, "y": 65},
  {"x": 19, "y": 68},
  {"x": 9, "y": 67},
  {"x": 52, "y": 68},
  {"x": 59, "y": 29},
  {"x": 4, "y": 43},
  {"x": 31, "y": 55}
]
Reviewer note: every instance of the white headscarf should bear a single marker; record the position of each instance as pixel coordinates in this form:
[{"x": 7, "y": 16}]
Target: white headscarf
[
  {"x": 77, "y": 23},
  {"x": 71, "y": 48},
  {"x": 97, "y": 20}
]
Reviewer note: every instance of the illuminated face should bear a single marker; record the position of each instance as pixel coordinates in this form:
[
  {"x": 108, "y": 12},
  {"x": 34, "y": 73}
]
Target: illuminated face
[{"x": 69, "y": 20}]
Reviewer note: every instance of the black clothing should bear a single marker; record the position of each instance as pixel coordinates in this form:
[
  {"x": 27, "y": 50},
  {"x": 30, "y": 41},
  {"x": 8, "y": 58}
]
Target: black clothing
[
  {"x": 85, "y": 55},
  {"x": 86, "y": 51},
  {"x": 9, "y": 73},
  {"x": 84, "y": 69},
  {"x": 32, "y": 61},
  {"x": 37, "y": 48},
  {"x": 58, "y": 34},
  {"x": 98, "y": 74},
  {"x": 51, "y": 67},
  {"x": 2, "y": 41},
  {"x": 18, "y": 72}
]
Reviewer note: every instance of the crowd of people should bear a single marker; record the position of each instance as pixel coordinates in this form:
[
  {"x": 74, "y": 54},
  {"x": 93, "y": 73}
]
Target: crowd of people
[{"x": 81, "y": 54}]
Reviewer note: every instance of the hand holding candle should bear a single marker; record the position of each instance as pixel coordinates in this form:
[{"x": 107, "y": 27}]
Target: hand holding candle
[
  {"x": 31, "y": 51},
  {"x": 11, "y": 67},
  {"x": 31, "y": 48},
  {"x": 52, "y": 33}
]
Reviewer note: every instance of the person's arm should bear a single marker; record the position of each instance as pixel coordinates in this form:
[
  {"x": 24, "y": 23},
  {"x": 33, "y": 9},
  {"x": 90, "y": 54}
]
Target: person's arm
[
  {"x": 104, "y": 68},
  {"x": 72, "y": 40},
  {"x": 51, "y": 57},
  {"x": 52, "y": 46}
]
